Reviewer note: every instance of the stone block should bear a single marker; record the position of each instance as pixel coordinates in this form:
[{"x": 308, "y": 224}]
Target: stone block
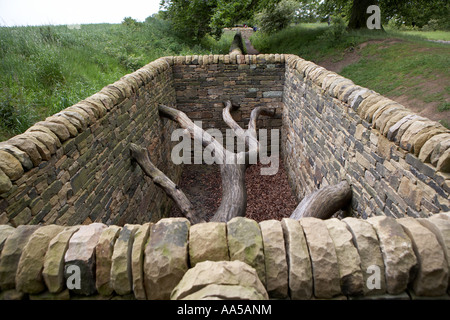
[
  {"x": 121, "y": 275},
  {"x": 348, "y": 258},
  {"x": 432, "y": 273},
  {"x": 298, "y": 260},
  {"x": 10, "y": 256},
  {"x": 80, "y": 258},
  {"x": 137, "y": 260},
  {"x": 325, "y": 267},
  {"x": 212, "y": 278},
  {"x": 213, "y": 233},
  {"x": 398, "y": 255},
  {"x": 166, "y": 255},
  {"x": 53, "y": 270},
  {"x": 29, "y": 277},
  {"x": 103, "y": 254},
  {"x": 245, "y": 244},
  {"x": 275, "y": 259},
  {"x": 10, "y": 165}
]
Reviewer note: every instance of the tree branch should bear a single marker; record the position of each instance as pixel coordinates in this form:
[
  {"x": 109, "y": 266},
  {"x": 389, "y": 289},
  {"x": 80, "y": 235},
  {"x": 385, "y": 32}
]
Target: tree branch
[{"x": 170, "y": 188}]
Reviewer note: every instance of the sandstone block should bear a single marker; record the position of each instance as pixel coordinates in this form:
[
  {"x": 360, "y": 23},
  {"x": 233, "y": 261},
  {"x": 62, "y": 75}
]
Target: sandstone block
[
  {"x": 5, "y": 232},
  {"x": 299, "y": 263},
  {"x": 29, "y": 269},
  {"x": 61, "y": 120},
  {"x": 166, "y": 255},
  {"x": 5, "y": 182},
  {"x": 23, "y": 158},
  {"x": 441, "y": 230},
  {"x": 398, "y": 255},
  {"x": 275, "y": 259},
  {"x": 226, "y": 273},
  {"x": 137, "y": 260},
  {"x": 432, "y": 274},
  {"x": 419, "y": 140},
  {"x": 121, "y": 276},
  {"x": 80, "y": 256},
  {"x": 104, "y": 253},
  {"x": 245, "y": 244},
  {"x": 443, "y": 163},
  {"x": 12, "y": 250},
  {"x": 428, "y": 147},
  {"x": 10, "y": 165},
  {"x": 225, "y": 292},
  {"x": 439, "y": 150},
  {"x": 347, "y": 256},
  {"x": 366, "y": 241},
  {"x": 213, "y": 233},
  {"x": 53, "y": 272},
  {"x": 58, "y": 129},
  {"x": 29, "y": 148},
  {"x": 325, "y": 267}
]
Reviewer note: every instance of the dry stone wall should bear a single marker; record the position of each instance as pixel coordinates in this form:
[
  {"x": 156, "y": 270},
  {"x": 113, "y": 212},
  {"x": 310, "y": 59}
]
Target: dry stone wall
[
  {"x": 377, "y": 258},
  {"x": 397, "y": 162},
  {"x": 75, "y": 166}
]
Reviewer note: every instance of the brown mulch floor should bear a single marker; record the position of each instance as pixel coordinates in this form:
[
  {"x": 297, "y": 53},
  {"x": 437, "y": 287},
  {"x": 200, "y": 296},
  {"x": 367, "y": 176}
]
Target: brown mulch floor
[{"x": 268, "y": 197}]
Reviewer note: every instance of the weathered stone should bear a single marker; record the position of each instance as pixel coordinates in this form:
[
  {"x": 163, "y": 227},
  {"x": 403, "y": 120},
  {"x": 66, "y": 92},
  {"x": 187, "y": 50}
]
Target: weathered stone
[
  {"x": 410, "y": 193},
  {"x": 432, "y": 275},
  {"x": 39, "y": 128},
  {"x": 414, "y": 129},
  {"x": 428, "y": 148},
  {"x": 23, "y": 158},
  {"x": 10, "y": 165},
  {"x": 225, "y": 292},
  {"x": 81, "y": 256},
  {"x": 12, "y": 295},
  {"x": 12, "y": 250},
  {"x": 324, "y": 262},
  {"x": 347, "y": 256},
  {"x": 419, "y": 140},
  {"x": 29, "y": 148},
  {"x": 443, "y": 163},
  {"x": 366, "y": 241},
  {"x": 58, "y": 129},
  {"x": 103, "y": 256},
  {"x": 275, "y": 258},
  {"x": 137, "y": 260},
  {"x": 299, "y": 263},
  {"x": 53, "y": 272},
  {"x": 245, "y": 244},
  {"x": 5, "y": 232},
  {"x": 29, "y": 269},
  {"x": 121, "y": 276},
  {"x": 5, "y": 182},
  {"x": 439, "y": 150},
  {"x": 398, "y": 255},
  {"x": 49, "y": 142},
  {"x": 441, "y": 229},
  {"x": 213, "y": 233},
  {"x": 42, "y": 149},
  {"x": 392, "y": 120},
  {"x": 226, "y": 273},
  {"x": 165, "y": 257}
]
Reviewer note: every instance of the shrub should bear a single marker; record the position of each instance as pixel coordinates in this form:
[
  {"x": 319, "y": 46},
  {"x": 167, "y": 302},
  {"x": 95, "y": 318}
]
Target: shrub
[
  {"x": 278, "y": 17},
  {"x": 336, "y": 32}
]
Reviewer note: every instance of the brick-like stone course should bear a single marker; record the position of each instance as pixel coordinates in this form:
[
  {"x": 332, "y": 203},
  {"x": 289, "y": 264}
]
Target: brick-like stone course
[{"x": 410, "y": 259}]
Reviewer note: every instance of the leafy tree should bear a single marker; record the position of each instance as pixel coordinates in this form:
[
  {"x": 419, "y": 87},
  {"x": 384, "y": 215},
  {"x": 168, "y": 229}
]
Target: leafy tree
[{"x": 277, "y": 17}]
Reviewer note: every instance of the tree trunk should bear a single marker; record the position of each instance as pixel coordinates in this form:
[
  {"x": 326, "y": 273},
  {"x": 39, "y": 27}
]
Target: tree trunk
[
  {"x": 321, "y": 204},
  {"x": 324, "y": 202},
  {"x": 358, "y": 16}
]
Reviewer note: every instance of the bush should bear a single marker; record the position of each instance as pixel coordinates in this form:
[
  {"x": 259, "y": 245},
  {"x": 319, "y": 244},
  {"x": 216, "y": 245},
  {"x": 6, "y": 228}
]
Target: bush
[
  {"x": 336, "y": 32},
  {"x": 276, "y": 18}
]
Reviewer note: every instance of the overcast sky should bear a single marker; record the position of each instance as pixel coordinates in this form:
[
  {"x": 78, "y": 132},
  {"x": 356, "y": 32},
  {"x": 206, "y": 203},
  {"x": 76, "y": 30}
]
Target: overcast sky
[{"x": 56, "y": 12}]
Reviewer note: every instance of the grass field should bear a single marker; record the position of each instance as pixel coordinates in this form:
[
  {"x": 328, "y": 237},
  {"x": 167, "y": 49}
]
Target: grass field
[
  {"x": 399, "y": 64},
  {"x": 48, "y": 68}
]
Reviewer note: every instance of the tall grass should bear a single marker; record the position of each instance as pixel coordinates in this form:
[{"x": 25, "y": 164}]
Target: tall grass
[{"x": 45, "y": 69}]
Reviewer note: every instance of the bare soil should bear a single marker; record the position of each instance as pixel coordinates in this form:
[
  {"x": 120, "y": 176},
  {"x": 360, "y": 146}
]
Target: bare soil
[{"x": 268, "y": 197}]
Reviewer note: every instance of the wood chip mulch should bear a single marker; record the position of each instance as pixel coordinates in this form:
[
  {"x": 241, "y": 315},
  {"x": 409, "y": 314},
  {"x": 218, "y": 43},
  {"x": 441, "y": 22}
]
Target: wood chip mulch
[{"x": 268, "y": 197}]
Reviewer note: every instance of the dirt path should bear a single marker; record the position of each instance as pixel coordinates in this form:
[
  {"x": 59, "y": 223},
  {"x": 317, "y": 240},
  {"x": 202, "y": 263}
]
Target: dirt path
[{"x": 426, "y": 109}]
